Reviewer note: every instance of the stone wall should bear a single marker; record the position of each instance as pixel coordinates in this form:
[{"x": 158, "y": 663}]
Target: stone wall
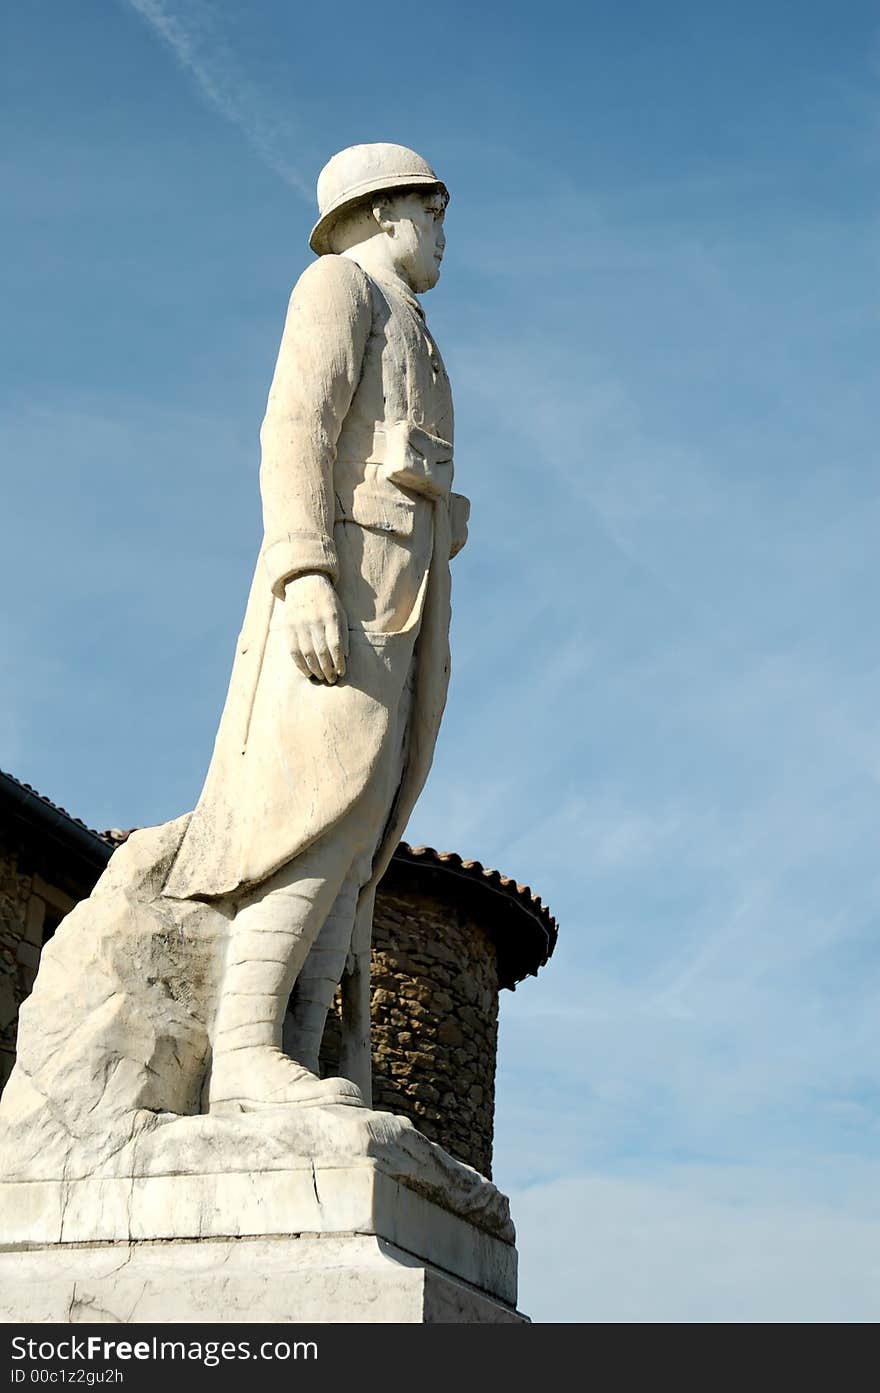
[
  {"x": 14, "y": 894},
  {"x": 36, "y": 891},
  {"x": 434, "y": 1013}
]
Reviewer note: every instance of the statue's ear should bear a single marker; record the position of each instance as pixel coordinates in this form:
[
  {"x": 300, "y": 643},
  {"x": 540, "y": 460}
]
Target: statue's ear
[{"x": 383, "y": 212}]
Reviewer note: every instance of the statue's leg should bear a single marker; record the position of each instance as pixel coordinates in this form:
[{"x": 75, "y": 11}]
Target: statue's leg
[
  {"x": 319, "y": 977},
  {"x": 355, "y": 1045},
  {"x": 334, "y": 949},
  {"x": 269, "y": 941}
]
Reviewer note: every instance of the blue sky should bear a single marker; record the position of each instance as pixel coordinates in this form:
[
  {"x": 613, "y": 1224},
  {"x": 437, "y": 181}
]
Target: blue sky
[{"x": 659, "y": 312}]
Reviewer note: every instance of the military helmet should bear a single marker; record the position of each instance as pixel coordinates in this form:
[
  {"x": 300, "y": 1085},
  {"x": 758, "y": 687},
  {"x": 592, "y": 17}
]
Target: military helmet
[{"x": 361, "y": 170}]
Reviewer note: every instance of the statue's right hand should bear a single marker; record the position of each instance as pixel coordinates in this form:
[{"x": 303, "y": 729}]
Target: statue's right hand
[{"x": 316, "y": 626}]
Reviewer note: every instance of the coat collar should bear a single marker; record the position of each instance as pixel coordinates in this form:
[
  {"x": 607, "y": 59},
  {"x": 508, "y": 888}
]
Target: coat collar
[{"x": 388, "y": 280}]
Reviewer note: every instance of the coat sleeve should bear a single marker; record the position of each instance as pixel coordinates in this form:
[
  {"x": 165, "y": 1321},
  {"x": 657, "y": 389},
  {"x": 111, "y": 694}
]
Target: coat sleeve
[{"x": 318, "y": 369}]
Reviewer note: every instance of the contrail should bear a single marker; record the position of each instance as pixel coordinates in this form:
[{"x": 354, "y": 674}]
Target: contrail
[{"x": 201, "y": 53}]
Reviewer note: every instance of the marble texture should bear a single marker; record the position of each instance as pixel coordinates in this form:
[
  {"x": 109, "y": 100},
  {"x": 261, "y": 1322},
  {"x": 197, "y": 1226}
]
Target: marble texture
[
  {"x": 309, "y": 1241},
  {"x": 330, "y": 1278},
  {"x": 314, "y": 1199}
]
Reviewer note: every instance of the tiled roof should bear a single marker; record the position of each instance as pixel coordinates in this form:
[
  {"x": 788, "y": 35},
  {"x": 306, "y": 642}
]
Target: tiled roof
[
  {"x": 23, "y": 804},
  {"x": 48, "y": 804},
  {"x": 521, "y": 896}
]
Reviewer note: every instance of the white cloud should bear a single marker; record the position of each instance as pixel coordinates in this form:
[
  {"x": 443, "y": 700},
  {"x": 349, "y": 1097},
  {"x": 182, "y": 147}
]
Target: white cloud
[
  {"x": 699, "y": 1244},
  {"x": 187, "y": 29},
  {"x": 603, "y": 834}
]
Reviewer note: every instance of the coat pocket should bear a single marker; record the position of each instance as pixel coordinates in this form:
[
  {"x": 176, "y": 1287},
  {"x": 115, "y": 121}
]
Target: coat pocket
[
  {"x": 384, "y": 543},
  {"x": 381, "y": 510}
]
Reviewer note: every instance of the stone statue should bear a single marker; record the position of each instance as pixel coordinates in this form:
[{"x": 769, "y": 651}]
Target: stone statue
[
  {"x": 340, "y": 675},
  {"x": 168, "y": 1150},
  {"x": 160, "y": 1004}
]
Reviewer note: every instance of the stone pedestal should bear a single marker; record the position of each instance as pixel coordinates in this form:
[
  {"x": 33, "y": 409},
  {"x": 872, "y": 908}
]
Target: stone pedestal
[{"x": 311, "y": 1243}]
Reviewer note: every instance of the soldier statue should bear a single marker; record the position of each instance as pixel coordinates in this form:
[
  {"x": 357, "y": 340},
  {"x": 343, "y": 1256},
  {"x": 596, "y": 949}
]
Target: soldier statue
[{"x": 340, "y": 673}]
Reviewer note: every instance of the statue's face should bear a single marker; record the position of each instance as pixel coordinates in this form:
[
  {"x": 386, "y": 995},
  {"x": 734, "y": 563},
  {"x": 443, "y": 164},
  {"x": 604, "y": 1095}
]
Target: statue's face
[{"x": 419, "y": 239}]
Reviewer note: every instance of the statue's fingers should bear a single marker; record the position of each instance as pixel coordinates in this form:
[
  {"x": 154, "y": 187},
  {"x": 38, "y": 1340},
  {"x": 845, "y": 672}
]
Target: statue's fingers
[
  {"x": 315, "y": 669},
  {"x": 326, "y": 667},
  {"x": 337, "y": 652},
  {"x": 307, "y": 649},
  {"x": 298, "y": 656}
]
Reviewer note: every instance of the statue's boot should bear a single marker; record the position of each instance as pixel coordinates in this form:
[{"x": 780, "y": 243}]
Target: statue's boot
[
  {"x": 269, "y": 941},
  {"x": 318, "y": 979}
]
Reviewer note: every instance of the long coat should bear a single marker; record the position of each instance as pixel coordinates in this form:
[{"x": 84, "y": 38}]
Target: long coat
[{"x": 355, "y": 474}]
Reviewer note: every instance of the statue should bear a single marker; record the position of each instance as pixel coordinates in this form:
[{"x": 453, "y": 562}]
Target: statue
[
  {"x": 159, "y": 1008},
  {"x": 340, "y": 676},
  {"x": 161, "y": 1108}
]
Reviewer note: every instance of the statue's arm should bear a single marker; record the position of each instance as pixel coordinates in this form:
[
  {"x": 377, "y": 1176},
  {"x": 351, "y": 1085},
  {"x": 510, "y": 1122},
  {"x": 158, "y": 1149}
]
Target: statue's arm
[
  {"x": 318, "y": 369},
  {"x": 317, "y": 373}
]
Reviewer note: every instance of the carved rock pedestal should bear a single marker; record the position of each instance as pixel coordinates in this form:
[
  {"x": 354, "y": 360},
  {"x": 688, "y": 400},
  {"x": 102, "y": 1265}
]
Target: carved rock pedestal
[{"x": 335, "y": 1239}]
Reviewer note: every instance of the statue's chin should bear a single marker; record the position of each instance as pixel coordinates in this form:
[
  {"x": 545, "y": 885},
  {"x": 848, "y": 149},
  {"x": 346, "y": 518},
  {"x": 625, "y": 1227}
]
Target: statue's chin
[{"x": 427, "y": 281}]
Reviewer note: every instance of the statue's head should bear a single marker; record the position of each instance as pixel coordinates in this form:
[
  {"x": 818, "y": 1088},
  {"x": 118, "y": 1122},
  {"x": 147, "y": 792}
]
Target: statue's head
[{"x": 389, "y": 193}]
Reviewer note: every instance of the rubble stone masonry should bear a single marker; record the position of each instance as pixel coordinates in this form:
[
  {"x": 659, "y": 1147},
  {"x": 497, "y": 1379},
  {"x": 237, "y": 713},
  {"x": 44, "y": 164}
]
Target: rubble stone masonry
[
  {"x": 435, "y": 1022},
  {"x": 31, "y": 905},
  {"x": 434, "y": 1009}
]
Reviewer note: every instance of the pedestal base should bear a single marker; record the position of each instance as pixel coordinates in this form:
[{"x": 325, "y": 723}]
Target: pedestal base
[
  {"x": 332, "y": 1279},
  {"x": 308, "y": 1244}
]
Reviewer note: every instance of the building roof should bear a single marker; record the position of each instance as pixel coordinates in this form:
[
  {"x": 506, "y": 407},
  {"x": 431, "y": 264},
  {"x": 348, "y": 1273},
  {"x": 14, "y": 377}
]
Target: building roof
[
  {"x": 523, "y": 928},
  {"x": 25, "y": 805},
  {"x": 525, "y": 931}
]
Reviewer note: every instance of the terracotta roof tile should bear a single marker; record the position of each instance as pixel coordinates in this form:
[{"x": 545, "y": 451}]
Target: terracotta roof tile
[
  {"x": 476, "y": 869},
  {"x": 526, "y": 938},
  {"x": 55, "y": 807}
]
